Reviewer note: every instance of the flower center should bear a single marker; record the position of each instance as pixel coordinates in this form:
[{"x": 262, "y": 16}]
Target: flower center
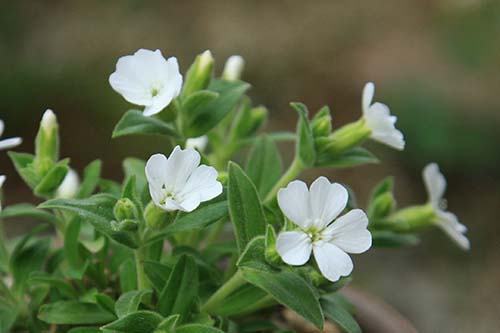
[{"x": 155, "y": 89}]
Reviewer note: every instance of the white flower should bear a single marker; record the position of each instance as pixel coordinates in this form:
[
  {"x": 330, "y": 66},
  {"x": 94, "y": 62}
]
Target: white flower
[
  {"x": 233, "y": 68},
  {"x": 199, "y": 143},
  {"x": 179, "y": 182},
  {"x": 435, "y": 184},
  {"x": 69, "y": 186},
  {"x": 8, "y": 143},
  {"x": 2, "y": 180},
  {"x": 147, "y": 78},
  {"x": 380, "y": 121},
  {"x": 313, "y": 211}
]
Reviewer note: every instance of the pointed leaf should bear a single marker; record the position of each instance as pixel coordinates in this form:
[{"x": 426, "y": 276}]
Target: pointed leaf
[
  {"x": 96, "y": 210},
  {"x": 245, "y": 207},
  {"x": 91, "y": 176},
  {"x": 134, "y": 122},
  {"x": 73, "y": 313},
  {"x": 136, "y": 322}
]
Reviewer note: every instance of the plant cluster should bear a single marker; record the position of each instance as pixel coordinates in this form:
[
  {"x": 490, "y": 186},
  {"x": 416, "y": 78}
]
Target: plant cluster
[{"x": 151, "y": 253}]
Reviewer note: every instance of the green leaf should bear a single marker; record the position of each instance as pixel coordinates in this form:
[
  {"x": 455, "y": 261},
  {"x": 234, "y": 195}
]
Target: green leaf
[
  {"x": 168, "y": 324},
  {"x": 96, "y": 210},
  {"x": 387, "y": 238},
  {"x": 91, "y": 176},
  {"x": 51, "y": 181},
  {"x": 264, "y": 165},
  {"x": 241, "y": 300},
  {"x": 22, "y": 162},
  {"x": 27, "y": 259},
  {"x": 157, "y": 273},
  {"x": 245, "y": 207},
  {"x": 64, "y": 288},
  {"x": 386, "y": 185},
  {"x": 353, "y": 157},
  {"x": 73, "y": 251},
  {"x": 193, "y": 105},
  {"x": 340, "y": 316},
  {"x": 305, "y": 149},
  {"x": 135, "y": 167},
  {"x": 199, "y": 219},
  {"x": 106, "y": 302},
  {"x": 134, "y": 122},
  {"x": 197, "y": 328},
  {"x": 181, "y": 290},
  {"x": 27, "y": 210},
  {"x": 206, "y": 117},
  {"x": 85, "y": 330},
  {"x": 129, "y": 302},
  {"x": 286, "y": 287},
  {"x": 128, "y": 276},
  {"x": 74, "y": 313},
  {"x": 136, "y": 322}
]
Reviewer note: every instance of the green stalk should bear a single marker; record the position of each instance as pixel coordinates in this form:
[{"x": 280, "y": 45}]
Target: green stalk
[
  {"x": 293, "y": 171},
  {"x": 225, "y": 290},
  {"x": 142, "y": 280}
]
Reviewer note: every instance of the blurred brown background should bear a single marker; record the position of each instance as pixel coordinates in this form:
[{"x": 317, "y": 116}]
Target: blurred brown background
[{"x": 436, "y": 63}]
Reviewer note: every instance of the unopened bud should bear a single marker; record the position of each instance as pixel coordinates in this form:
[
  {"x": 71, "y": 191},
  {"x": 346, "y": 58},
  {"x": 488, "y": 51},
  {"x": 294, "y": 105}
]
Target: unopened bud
[
  {"x": 200, "y": 143},
  {"x": 69, "y": 186},
  {"x": 199, "y": 74},
  {"x": 233, "y": 68},
  {"x": 125, "y": 209},
  {"x": 381, "y": 206},
  {"x": 47, "y": 143},
  {"x": 322, "y": 123}
]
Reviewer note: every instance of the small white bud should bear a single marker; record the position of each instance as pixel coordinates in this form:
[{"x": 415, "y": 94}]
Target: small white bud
[
  {"x": 199, "y": 143},
  {"x": 206, "y": 59},
  {"x": 69, "y": 186},
  {"x": 49, "y": 121},
  {"x": 233, "y": 68}
]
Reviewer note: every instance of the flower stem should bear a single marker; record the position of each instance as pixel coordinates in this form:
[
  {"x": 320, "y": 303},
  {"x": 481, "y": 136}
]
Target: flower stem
[
  {"x": 293, "y": 171},
  {"x": 142, "y": 281},
  {"x": 225, "y": 290}
]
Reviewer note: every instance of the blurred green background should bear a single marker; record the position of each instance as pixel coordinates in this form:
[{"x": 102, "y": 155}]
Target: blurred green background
[{"x": 436, "y": 63}]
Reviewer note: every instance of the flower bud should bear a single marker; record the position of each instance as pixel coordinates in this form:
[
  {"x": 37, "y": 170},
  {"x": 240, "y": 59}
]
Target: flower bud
[
  {"x": 125, "y": 209},
  {"x": 69, "y": 187},
  {"x": 200, "y": 143},
  {"x": 199, "y": 74},
  {"x": 233, "y": 68},
  {"x": 47, "y": 142},
  {"x": 322, "y": 123},
  {"x": 381, "y": 206},
  {"x": 247, "y": 121}
]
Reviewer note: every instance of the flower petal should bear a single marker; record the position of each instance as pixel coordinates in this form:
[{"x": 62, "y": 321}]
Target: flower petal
[
  {"x": 294, "y": 203},
  {"x": 449, "y": 223},
  {"x": 349, "y": 232},
  {"x": 327, "y": 201},
  {"x": 368, "y": 93},
  {"x": 200, "y": 143},
  {"x": 2, "y": 127},
  {"x": 180, "y": 165},
  {"x": 435, "y": 183},
  {"x": 332, "y": 261},
  {"x": 382, "y": 125},
  {"x": 10, "y": 143},
  {"x": 294, "y": 247},
  {"x": 156, "y": 174},
  {"x": 2, "y": 180},
  {"x": 201, "y": 186}
]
